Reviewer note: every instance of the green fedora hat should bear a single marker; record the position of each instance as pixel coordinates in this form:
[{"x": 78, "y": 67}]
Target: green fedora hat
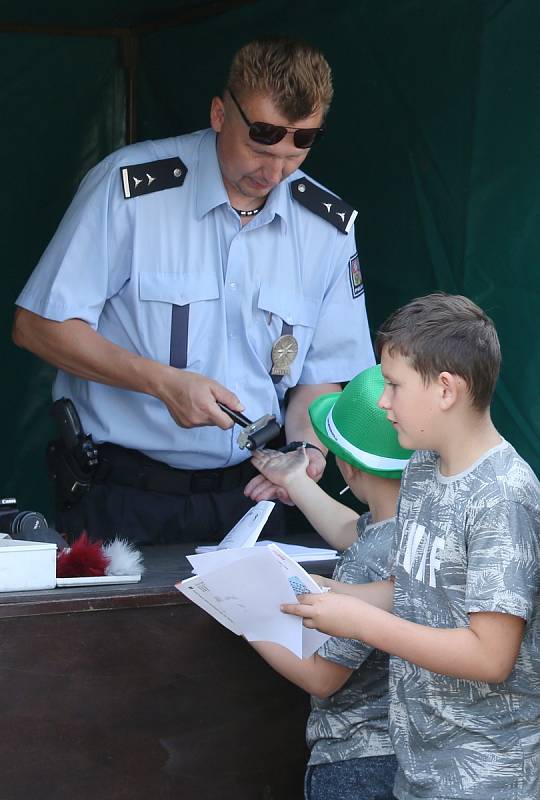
[{"x": 355, "y": 429}]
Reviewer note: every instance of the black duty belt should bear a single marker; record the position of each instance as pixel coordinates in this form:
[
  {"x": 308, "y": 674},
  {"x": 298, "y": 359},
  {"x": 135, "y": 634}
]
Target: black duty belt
[{"x": 125, "y": 467}]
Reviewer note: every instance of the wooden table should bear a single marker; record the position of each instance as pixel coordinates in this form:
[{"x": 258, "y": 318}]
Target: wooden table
[{"x": 131, "y": 692}]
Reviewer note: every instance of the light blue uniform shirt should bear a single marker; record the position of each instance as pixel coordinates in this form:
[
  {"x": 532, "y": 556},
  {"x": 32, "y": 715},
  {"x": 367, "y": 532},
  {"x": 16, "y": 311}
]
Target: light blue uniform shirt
[{"x": 122, "y": 265}]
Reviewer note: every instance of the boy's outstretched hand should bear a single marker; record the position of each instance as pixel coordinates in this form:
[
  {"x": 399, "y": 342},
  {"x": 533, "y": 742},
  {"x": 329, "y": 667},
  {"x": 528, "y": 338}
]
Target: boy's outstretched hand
[{"x": 281, "y": 468}]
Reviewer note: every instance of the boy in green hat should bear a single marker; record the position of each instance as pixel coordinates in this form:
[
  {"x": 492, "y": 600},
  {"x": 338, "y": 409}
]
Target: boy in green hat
[
  {"x": 347, "y": 731},
  {"x": 461, "y": 614}
]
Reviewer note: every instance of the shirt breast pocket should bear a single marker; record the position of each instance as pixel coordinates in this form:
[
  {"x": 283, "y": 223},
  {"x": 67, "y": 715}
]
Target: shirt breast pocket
[
  {"x": 167, "y": 299},
  {"x": 284, "y": 313}
]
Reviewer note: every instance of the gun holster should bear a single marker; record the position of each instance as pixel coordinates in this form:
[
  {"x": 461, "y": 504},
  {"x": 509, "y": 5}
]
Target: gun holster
[
  {"x": 72, "y": 460},
  {"x": 71, "y": 483}
]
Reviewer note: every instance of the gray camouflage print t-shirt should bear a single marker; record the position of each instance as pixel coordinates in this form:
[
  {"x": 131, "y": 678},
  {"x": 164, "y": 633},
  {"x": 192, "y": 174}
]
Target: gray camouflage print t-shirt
[
  {"x": 468, "y": 543},
  {"x": 353, "y": 722}
]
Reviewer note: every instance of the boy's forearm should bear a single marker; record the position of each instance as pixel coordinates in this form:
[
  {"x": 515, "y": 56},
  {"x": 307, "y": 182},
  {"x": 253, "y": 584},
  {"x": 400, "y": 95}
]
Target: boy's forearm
[
  {"x": 376, "y": 593},
  {"x": 473, "y": 653},
  {"x": 484, "y": 651},
  {"x": 315, "y": 675},
  {"x": 335, "y": 522}
]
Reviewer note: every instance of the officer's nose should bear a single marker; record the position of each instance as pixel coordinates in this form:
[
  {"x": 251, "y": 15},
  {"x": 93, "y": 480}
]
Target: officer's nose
[{"x": 274, "y": 172}]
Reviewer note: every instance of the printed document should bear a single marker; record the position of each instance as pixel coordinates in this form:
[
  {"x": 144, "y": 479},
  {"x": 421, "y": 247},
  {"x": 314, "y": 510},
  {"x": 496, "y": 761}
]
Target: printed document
[{"x": 243, "y": 588}]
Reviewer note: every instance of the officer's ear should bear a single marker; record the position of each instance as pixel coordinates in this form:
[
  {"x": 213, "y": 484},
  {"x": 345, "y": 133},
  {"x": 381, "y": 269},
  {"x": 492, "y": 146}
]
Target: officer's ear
[{"x": 217, "y": 114}]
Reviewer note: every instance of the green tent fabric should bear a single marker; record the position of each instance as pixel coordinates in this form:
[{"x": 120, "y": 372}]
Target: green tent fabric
[{"x": 434, "y": 136}]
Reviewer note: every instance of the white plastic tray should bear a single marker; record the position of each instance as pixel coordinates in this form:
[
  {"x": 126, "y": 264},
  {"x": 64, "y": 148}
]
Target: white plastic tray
[{"x": 96, "y": 581}]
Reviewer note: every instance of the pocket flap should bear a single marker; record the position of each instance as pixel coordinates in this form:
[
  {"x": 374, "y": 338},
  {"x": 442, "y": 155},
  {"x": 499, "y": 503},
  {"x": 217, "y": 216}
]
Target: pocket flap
[
  {"x": 170, "y": 287},
  {"x": 293, "y": 310}
]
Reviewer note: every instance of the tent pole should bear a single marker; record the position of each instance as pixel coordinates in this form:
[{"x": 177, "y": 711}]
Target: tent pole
[{"x": 129, "y": 51}]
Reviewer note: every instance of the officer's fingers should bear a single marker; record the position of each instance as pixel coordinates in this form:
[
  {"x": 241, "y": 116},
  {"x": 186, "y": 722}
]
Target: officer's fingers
[
  {"x": 263, "y": 491},
  {"x": 182, "y": 419},
  {"x": 199, "y": 414},
  {"x": 270, "y": 491},
  {"x": 316, "y": 465},
  {"x": 219, "y": 418},
  {"x": 299, "y": 456},
  {"x": 223, "y": 395},
  {"x": 254, "y": 485}
]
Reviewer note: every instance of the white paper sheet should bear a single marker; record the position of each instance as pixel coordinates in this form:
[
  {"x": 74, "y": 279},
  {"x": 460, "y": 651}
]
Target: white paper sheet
[
  {"x": 243, "y": 590},
  {"x": 248, "y": 529},
  {"x": 302, "y": 554}
]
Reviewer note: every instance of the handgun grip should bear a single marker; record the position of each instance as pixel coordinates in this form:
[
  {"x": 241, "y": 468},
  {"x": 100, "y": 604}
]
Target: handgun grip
[{"x": 69, "y": 422}]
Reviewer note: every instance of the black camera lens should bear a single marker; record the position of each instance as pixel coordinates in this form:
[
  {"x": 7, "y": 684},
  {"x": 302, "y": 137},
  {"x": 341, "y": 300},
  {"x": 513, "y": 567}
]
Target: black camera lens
[{"x": 27, "y": 521}]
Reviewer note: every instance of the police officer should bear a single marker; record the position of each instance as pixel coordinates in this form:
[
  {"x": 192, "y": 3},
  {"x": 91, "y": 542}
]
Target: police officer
[{"x": 196, "y": 269}]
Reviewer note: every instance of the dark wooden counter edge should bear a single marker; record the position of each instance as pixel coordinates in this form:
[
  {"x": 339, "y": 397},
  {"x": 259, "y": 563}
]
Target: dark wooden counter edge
[
  {"x": 32, "y": 605},
  {"x": 155, "y": 589}
]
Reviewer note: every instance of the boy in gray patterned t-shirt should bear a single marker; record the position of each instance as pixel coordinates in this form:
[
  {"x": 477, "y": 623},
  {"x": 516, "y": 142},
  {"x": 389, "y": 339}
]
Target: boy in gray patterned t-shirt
[
  {"x": 351, "y": 753},
  {"x": 464, "y": 634}
]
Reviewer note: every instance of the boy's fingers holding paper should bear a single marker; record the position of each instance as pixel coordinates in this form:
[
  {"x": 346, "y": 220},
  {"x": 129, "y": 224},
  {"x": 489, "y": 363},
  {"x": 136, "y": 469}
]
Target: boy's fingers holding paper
[
  {"x": 331, "y": 613},
  {"x": 305, "y": 607}
]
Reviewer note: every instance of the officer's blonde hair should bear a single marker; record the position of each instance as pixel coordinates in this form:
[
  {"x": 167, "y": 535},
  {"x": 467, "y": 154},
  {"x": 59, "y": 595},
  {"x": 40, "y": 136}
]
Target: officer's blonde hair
[{"x": 294, "y": 74}]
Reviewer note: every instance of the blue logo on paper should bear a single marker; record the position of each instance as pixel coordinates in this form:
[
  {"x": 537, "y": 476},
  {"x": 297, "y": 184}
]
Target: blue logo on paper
[{"x": 298, "y": 587}]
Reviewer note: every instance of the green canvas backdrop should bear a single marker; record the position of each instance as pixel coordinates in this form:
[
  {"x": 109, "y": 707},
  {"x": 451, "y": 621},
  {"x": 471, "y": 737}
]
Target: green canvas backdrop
[{"x": 434, "y": 135}]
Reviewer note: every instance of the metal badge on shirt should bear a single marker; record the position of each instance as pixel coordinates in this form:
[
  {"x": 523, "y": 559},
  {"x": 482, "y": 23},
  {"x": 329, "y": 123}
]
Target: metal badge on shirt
[
  {"x": 355, "y": 276},
  {"x": 284, "y": 351}
]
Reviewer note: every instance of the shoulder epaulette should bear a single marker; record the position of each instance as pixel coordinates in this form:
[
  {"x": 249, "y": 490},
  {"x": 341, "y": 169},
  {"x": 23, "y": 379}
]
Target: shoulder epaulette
[
  {"x": 324, "y": 204},
  {"x": 139, "y": 179}
]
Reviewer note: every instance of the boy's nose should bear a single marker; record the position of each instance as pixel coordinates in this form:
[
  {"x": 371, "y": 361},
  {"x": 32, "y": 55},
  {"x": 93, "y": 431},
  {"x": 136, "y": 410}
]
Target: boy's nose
[{"x": 381, "y": 402}]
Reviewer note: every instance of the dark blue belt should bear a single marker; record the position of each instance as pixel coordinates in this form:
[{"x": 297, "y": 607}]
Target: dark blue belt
[{"x": 125, "y": 467}]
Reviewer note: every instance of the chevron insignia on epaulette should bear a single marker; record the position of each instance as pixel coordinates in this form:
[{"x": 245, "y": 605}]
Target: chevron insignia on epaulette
[
  {"x": 139, "y": 179},
  {"x": 324, "y": 204}
]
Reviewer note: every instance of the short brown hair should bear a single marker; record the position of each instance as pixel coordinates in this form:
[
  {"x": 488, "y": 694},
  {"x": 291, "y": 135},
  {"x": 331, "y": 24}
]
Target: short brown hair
[
  {"x": 446, "y": 333},
  {"x": 294, "y": 74}
]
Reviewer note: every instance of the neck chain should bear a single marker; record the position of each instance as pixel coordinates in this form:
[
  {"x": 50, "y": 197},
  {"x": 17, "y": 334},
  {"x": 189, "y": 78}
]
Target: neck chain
[{"x": 250, "y": 213}]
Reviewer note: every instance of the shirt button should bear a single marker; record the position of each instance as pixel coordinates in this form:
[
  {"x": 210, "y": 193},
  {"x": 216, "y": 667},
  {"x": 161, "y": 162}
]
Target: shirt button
[{"x": 233, "y": 285}]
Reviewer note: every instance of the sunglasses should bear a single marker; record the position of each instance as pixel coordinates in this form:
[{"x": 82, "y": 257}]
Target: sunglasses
[{"x": 266, "y": 133}]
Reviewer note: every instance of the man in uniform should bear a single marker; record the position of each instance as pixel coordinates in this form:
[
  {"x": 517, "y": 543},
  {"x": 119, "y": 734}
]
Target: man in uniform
[{"x": 194, "y": 270}]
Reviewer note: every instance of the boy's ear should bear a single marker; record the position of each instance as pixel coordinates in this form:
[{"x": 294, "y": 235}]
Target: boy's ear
[
  {"x": 347, "y": 470},
  {"x": 450, "y": 386}
]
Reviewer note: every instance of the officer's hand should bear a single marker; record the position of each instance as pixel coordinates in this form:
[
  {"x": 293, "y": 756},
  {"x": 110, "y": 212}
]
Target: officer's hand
[
  {"x": 317, "y": 463},
  {"x": 192, "y": 399},
  {"x": 260, "y": 488}
]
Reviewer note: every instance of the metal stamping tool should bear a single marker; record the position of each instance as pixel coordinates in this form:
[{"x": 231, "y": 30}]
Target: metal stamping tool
[{"x": 254, "y": 434}]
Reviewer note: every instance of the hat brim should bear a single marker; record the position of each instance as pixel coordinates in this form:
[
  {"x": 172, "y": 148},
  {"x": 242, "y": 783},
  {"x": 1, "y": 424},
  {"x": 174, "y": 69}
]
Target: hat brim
[{"x": 318, "y": 412}]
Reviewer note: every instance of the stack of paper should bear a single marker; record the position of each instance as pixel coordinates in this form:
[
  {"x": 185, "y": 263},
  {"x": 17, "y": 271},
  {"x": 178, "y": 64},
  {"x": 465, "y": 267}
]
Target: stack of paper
[
  {"x": 243, "y": 588},
  {"x": 247, "y": 530}
]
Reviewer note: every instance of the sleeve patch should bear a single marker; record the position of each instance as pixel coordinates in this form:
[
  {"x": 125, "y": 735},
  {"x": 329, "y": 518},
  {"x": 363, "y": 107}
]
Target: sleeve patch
[{"x": 355, "y": 276}]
